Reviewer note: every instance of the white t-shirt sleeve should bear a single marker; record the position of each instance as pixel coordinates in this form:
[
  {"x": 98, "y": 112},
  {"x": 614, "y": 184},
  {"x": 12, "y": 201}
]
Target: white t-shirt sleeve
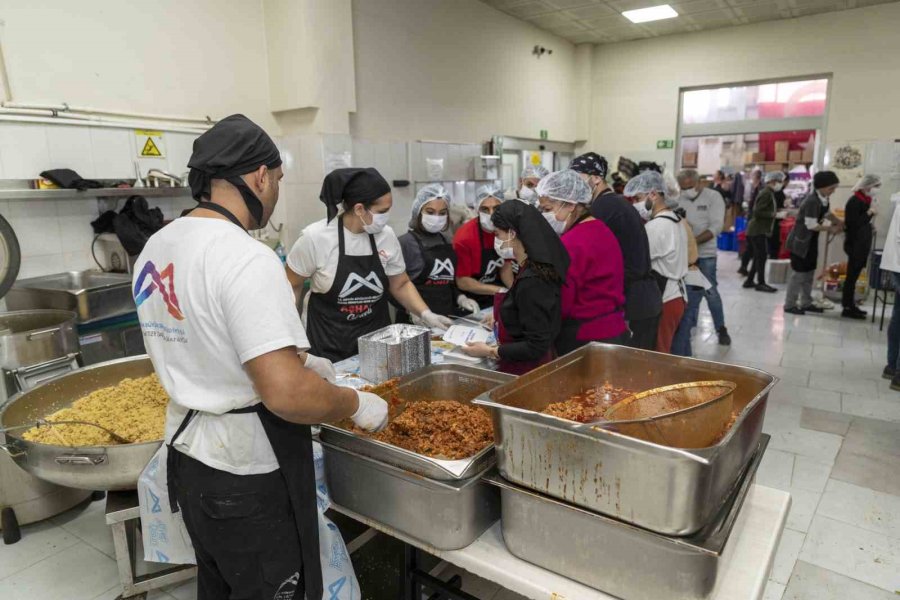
[
  {"x": 258, "y": 305},
  {"x": 659, "y": 239},
  {"x": 302, "y": 258},
  {"x": 391, "y": 246}
]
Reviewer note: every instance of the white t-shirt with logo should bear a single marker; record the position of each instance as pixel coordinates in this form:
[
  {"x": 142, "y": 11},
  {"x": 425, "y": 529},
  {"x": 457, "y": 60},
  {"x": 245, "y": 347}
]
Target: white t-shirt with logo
[
  {"x": 210, "y": 298},
  {"x": 315, "y": 254}
]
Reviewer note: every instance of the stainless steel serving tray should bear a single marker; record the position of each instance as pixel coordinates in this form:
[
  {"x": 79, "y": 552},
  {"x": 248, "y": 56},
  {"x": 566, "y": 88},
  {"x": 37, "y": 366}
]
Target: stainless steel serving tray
[
  {"x": 91, "y": 295},
  {"x": 434, "y": 382},
  {"x": 623, "y": 560},
  {"x": 667, "y": 490},
  {"x": 445, "y": 515}
]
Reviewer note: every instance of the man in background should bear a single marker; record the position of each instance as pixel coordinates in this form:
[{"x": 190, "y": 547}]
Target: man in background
[{"x": 705, "y": 210}]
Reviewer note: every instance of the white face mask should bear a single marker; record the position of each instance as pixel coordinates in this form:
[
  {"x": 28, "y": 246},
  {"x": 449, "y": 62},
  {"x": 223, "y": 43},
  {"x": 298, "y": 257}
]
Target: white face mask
[
  {"x": 558, "y": 226},
  {"x": 434, "y": 223},
  {"x": 641, "y": 208},
  {"x": 379, "y": 222},
  {"x": 527, "y": 195},
  {"x": 873, "y": 192},
  {"x": 503, "y": 250},
  {"x": 485, "y": 220},
  {"x": 778, "y": 187}
]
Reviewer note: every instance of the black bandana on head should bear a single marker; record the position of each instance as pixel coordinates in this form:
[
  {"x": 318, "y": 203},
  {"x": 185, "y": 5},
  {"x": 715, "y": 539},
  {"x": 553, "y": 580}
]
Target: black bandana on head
[
  {"x": 542, "y": 244},
  {"x": 353, "y": 185},
  {"x": 590, "y": 163},
  {"x": 233, "y": 147}
]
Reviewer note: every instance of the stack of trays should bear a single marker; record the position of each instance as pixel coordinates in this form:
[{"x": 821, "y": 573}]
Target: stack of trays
[
  {"x": 443, "y": 503},
  {"x": 672, "y": 506}
]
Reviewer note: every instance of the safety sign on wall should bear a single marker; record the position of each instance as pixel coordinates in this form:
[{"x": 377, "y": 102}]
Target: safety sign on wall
[{"x": 150, "y": 144}]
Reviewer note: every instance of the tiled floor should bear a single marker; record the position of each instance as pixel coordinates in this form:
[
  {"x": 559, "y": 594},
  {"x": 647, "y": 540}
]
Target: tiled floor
[{"x": 835, "y": 427}]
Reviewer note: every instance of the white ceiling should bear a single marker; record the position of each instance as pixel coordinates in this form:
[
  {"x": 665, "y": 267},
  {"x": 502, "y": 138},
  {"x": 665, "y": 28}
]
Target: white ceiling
[{"x": 601, "y": 21}]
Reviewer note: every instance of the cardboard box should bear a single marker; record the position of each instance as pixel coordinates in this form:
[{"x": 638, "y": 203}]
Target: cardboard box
[
  {"x": 781, "y": 151},
  {"x": 689, "y": 159},
  {"x": 759, "y": 157},
  {"x": 795, "y": 156},
  {"x": 807, "y": 155},
  {"x": 769, "y": 167}
]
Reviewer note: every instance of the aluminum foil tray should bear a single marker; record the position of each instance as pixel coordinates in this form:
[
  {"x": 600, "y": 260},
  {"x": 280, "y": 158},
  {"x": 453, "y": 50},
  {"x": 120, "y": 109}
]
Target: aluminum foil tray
[
  {"x": 434, "y": 382},
  {"x": 394, "y": 351},
  {"x": 668, "y": 490}
]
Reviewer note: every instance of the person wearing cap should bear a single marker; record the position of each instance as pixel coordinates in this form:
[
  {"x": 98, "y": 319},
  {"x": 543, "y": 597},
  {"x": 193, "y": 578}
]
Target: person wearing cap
[
  {"x": 643, "y": 302},
  {"x": 527, "y": 317},
  {"x": 353, "y": 260},
  {"x": 222, "y": 331},
  {"x": 813, "y": 217},
  {"x": 429, "y": 256},
  {"x": 529, "y": 179},
  {"x": 890, "y": 263},
  {"x": 858, "y": 214},
  {"x": 593, "y": 298},
  {"x": 480, "y": 272},
  {"x": 762, "y": 221},
  {"x": 668, "y": 249}
]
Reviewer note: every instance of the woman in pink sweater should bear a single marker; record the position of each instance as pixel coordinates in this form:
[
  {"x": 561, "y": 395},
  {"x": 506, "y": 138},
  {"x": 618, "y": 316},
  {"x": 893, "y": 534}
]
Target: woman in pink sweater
[{"x": 593, "y": 297}]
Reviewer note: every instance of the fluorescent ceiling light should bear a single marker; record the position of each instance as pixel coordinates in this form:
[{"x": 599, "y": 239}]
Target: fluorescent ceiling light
[{"x": 651, "y": 13}]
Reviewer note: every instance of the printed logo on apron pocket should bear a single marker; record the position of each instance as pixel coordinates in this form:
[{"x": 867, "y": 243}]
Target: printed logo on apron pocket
[
  {"x": 492, "y": 266},
  {"x": 442, "y": 269},
  {"x": 286, "y": 590},
  {"x": 355, "y": 282}
]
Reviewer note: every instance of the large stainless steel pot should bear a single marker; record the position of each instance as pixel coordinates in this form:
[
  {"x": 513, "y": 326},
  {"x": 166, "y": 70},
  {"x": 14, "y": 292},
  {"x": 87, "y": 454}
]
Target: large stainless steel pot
[
  {"x": 36, "y": 345},
  {"x": 90, "y": 467}
]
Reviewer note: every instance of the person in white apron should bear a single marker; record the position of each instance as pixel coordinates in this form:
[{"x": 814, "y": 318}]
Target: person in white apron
[{"x": 221, "y": 328}]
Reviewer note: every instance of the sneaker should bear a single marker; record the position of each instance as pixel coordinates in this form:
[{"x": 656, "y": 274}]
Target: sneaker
[
  {"x": 895, "y": 383},
  {"x": 749, "y": 284},
  {"x": 812, "y": 308},
  {"x": 762, "y": 287},
  {"x": 724, "y": 338},
  {"x": 743, "y": 271},
  {"x": 794, "y": 310},
  {"x": 853, "y": 313},
  {"x": 889, "y": 372}
]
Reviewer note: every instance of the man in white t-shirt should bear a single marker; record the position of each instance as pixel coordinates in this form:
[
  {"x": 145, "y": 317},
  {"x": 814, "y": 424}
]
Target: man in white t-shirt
[
  {"x": 668, "y": 241},
  {"x": 222, "y": 331}
]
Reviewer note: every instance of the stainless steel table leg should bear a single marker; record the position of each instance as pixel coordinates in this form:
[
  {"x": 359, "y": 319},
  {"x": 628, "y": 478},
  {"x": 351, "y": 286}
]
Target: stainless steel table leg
[{"x": 124, "y": 557}]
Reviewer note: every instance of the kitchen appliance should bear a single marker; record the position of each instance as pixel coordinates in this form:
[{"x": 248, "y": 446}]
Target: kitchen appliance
[
  {"x": 35, "y": 345},
  {"x": 668, "y": 490},
  {"x": 90, "y": 467},
  {"x": 434, "y": 382},
  {"x": 394, "y": 351},
  {"x": 610, "y": 555}
]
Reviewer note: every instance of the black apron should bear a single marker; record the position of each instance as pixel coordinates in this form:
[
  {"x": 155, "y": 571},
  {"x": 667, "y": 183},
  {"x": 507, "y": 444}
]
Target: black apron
[
  {"x": 292, "y": 445},
  {"x": 437, "y": 281},
  {"x": 491, "y": 263},
  {"x": 355, "y": 305}
]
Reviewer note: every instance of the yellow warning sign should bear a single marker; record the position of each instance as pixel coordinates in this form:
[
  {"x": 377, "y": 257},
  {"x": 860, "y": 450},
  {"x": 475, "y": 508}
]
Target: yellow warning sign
[{"x": 150, "y": 144}]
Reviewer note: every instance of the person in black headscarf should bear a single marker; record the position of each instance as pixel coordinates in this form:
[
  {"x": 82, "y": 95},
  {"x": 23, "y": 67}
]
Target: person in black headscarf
[
  {"x": 527, "y": 318},
  {"x": 221, "y": 328},
  {"x": 353, "y": 260}
]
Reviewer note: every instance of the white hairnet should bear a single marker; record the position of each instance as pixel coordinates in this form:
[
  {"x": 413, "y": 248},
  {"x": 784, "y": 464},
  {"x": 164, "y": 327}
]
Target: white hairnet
[
  {"x": 537, "y": 171},
  {"x": 774, "y": 176},
  {"x": 646, "y": 182},
  {"x": 867, "y": 181},
  {"x": 430, "y": 192},
  {"x": 565, "y": 186},
  {"x": 673, "y": 190},
  {"x": 490, "y": 190}
]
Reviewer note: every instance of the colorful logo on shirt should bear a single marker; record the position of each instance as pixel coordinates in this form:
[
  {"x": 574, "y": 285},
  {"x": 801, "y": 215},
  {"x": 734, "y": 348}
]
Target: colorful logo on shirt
[
  {"x": 355, "y": 282},
  {"x": 442, "y": 269},
  {"x": 158, "y": 283}
]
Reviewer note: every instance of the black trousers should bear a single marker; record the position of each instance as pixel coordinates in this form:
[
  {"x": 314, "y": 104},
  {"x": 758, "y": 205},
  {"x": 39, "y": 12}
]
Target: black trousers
[
  {"x": 643, "y": 333},
  {"x": 855, "y": 265},
  {"x": 775, "y": 240},
  {"x": 242, "y": 528},
  {"x": 759, "y": 245}
]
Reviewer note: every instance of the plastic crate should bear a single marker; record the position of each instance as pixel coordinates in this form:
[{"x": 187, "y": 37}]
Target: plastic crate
[
  {"x": 726, "y": 241},
  {"x": 740, "y": 224}
]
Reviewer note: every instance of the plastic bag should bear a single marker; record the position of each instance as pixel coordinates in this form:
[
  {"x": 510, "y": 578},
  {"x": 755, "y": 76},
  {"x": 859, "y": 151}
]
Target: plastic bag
[{"x": 166, "y": 539}]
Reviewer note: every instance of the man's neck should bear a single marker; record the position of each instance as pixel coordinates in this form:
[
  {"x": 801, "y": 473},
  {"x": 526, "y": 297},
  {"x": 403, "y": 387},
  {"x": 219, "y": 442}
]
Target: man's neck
[
  {"x": 234, "y": 205},
  {"x": 601, "y": 187}
]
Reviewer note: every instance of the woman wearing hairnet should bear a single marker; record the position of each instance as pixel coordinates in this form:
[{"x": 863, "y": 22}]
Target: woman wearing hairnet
[
  {"x": 668, "y": 239},
  {"x": 593, "y": 297},
  {"x": 429, "y": 256},
  {"x": 531, "y": 175},
  {"x": 527, "y": 318},
  {"x": 762, "y": 221},
  {"x": 858, "y": 215},
  {"x": 480, "y": 272}
]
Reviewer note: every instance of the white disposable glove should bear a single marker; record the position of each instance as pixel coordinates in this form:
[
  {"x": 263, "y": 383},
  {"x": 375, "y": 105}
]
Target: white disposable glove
[
  {"x": 435, "y": 321},
  {"x": 321, "y": 366},
  {"x": 466, "y": 303},
  {"x": 372, "y": 414}
]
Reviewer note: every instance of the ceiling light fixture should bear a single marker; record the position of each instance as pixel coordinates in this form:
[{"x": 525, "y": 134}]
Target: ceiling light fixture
[{"x": 651, "y": 13}]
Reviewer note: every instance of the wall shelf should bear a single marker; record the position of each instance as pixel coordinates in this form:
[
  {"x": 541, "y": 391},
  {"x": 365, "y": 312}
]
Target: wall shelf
[{"x": 99, "y": 193}]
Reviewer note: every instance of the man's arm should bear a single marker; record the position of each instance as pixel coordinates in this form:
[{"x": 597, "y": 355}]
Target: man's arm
[{"x": 716, "y": 219}]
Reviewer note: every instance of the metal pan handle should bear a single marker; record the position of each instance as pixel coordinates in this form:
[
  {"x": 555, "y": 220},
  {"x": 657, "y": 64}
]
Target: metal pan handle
[
  {"x": 43, "y": 332},
  {"x": 88, "y": 460},
  {"x": 31, "y": 376},
  {"x": 13, "y": 452}
]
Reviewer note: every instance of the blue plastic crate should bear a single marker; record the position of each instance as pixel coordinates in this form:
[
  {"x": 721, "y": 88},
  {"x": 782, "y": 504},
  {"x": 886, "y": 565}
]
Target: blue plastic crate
[
  {"x": 727, "y": 240},
  {"x": 740, "y": 224}
]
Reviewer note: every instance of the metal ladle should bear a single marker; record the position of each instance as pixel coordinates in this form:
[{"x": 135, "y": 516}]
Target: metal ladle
[{"x": 45, "y": 423}]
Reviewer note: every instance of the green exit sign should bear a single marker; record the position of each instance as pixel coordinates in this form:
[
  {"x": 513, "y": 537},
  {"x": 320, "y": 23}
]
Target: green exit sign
[
  {"x": 665, "y": 144},
  {"x": 544, "y": 134}
]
